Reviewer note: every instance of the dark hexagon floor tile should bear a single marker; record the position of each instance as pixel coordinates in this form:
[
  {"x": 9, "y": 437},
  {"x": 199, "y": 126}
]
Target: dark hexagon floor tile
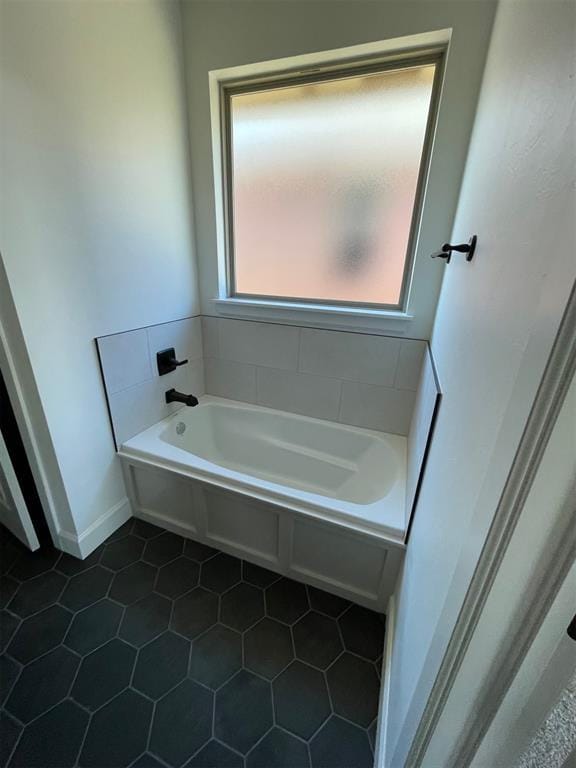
[
  {"x": 10, "y": 550},
  {"x": 146, "y": 619},
  {"x": 363, "y": 631},
  {"x": 8, "y": 556},
  {"x": 243, "y": 711},
  {"x": 331, "y": 605},
  {"x": 42, "y": 684},
  {"x": 6, "y": 538},
  {"x": 372, "y": 733},
  {"x": 216, "y": 755},
  {"x": 161, "y": 665},
  {"x": 10, "y": 731},
  {"x": 242, "y": 606},
  {"x": 72, "y": 566},
  {"x": 132, "y": 583},
  {"x": 31, "y": 564},
  {"x": 145, "y": 530},
  {"x": 178, "y": 577},
  {"x": 93, "y": 627},
  {"x": 220, "y": 572},
  {"x": 118, "y": 732},
  {"x": 341, "y": 745},
  {"x": 53, "y": 740},
  {"x": 258, "y": 576},
  {"x": 216, "y": 656},
  {"x": 317, "y": 639},
  {"x": 86, "y": 588},
  {"x": 195, "y": 612},
  {"x": 8, "y": 587},
  {"x": 121, "y": 553},
  {"x": 37, "y": 593},
  {"x": 8, "y": 624},
  {"x": 354, "y": 689},
  {"x": 198, "y": 551},
  {"x": 103, "y": 674},
  {"x": 119, "y": 533},
  {"x": 147, "y": 761},
  {"x": 9, "y": 671},
  {"x": 40, "y": 633},
  {"x": 182, "y": 723},
  {"x": 268, "y": 648},
  {"x": 286, "y": 600},
  {"x": 301, "y": 699},
  {"x": 163, "y": 548},
  {"x": 279, "y": 750}
]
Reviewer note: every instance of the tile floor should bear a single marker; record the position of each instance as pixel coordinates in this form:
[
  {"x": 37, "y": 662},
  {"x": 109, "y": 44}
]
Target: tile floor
[{"x": 159, "y": 651}]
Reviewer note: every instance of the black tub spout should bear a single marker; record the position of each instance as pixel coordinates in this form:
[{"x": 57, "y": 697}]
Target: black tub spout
[{"x": 177, "y": 397}]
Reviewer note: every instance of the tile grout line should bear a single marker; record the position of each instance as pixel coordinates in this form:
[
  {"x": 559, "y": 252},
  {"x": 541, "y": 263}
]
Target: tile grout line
[
  {"x": 84, "y": 737},
  {"x": 16, "y": 743},
  {"x": 264, "y": 613}
]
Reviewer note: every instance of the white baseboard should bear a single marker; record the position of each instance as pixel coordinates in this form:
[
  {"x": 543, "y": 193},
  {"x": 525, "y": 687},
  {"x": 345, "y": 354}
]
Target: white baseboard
[
  {"x": 380, "y": 747},
  {"x": 83, "y": 544}
]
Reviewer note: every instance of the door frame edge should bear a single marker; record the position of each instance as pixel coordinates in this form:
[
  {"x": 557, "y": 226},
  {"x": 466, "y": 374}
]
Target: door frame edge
[{"x": 557, "y": 377}]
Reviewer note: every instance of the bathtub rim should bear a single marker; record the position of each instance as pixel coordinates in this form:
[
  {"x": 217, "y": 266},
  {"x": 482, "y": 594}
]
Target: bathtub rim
[
  {"x": 251, "y": 486},
  {"x": 353, "y": 525},
  {"x": 242, "y": 485}
]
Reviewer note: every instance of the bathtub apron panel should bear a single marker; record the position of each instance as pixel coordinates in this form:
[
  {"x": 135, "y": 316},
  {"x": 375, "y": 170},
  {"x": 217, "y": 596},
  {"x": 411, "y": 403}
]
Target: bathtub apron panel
[{"x": 334, "y": 556}]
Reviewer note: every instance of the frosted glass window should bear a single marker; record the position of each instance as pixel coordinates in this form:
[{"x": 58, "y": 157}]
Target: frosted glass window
[{"x": 324, "y": 184}]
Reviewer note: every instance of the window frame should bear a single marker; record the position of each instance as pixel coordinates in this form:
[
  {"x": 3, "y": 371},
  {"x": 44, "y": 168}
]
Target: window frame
[{"x": 426, "y": 48}]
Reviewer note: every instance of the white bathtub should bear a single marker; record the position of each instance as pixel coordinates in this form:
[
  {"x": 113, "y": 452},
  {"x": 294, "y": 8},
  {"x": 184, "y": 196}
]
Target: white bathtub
[{"x": 193, "y": 471}]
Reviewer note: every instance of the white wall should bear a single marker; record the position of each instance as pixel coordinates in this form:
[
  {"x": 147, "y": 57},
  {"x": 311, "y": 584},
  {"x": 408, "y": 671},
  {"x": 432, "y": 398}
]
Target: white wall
[
  {"x": 496, "y": 322},
  {"x": 536, "y": 688},
  {"x": 234, "y": 32},
  {"x": 96, "y": 230}
]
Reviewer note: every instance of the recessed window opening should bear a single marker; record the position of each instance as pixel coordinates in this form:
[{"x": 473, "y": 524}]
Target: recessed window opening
[{"x": 324, "y": 175}]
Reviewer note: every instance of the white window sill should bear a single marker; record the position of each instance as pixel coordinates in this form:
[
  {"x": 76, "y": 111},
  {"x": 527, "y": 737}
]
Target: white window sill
[{"x": 353, "y": 318}]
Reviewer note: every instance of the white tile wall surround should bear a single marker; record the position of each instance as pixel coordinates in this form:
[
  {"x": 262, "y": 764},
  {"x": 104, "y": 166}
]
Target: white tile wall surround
[
  {"x": 299, "y": 393},
  {"x": 373, "y": 407},
  {"x": 135, "y": 407},
  {"x": 361, "y": 379},
  {"x": 134, "y": 388},
  {"x": 184, "y": 335},
  {"x": 350, "y": 356},
  {"x": 125, "y": 360},
  {"x": 409, "y": 364},
  {"x": 259, "y": 343},
  {"x": 210, "y": 336},
  {"x": 427, "y": 401},
  {"x": 226, "y": 378},
  {"x": 139, "y": 407}
]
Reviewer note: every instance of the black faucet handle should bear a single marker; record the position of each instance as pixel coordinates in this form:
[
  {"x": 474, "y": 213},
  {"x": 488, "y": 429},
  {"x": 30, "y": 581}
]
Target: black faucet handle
[{"x": 167, "y": 362}]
